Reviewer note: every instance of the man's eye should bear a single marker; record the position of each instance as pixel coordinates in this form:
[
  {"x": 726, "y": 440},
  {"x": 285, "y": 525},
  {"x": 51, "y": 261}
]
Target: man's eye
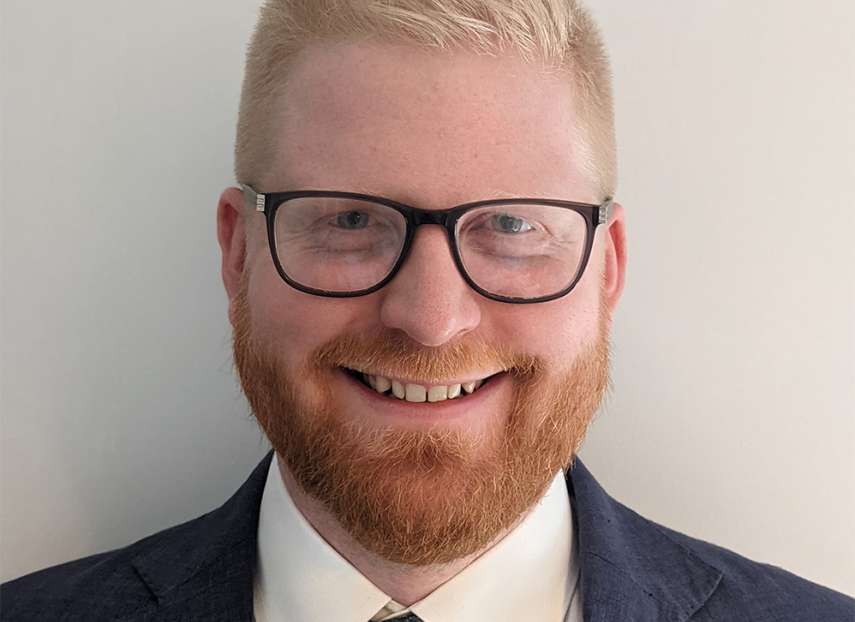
[
  {"x": 351, "y": 220},
  {"x": 507, "y": 223}
]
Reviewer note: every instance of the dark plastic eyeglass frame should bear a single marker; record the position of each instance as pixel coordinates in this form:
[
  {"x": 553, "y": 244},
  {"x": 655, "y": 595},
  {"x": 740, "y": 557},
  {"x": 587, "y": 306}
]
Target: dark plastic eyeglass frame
[{"x": 269, "y": 202}]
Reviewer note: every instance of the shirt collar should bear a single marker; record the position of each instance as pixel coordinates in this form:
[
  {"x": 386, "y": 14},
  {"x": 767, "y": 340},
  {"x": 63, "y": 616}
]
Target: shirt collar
[
  {"x": 528, "y": 575},
  {"x": 301, "y": 577}
]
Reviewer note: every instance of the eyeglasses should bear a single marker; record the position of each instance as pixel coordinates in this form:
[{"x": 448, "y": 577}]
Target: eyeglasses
[{"x": 345, "y": 244}]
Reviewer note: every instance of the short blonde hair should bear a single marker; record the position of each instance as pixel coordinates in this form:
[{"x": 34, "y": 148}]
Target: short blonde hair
[{"x": 559, "y": 33}]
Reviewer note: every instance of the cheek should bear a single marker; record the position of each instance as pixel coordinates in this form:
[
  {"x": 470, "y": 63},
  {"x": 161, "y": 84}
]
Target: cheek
[
  {"x": 559, "y": 330},
  {"x": 291, "y": 323}
]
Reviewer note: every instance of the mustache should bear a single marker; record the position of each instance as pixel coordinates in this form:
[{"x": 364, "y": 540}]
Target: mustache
[{"x": 393, "y": 354}]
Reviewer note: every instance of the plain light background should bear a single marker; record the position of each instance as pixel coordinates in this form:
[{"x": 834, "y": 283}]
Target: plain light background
[{"x": 732, "y": 416}]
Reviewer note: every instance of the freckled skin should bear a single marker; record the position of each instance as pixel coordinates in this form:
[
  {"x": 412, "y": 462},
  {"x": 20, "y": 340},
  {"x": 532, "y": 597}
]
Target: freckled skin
[
  {"x": 431, "y": 129},
  {"x": 435, "y": 130}
]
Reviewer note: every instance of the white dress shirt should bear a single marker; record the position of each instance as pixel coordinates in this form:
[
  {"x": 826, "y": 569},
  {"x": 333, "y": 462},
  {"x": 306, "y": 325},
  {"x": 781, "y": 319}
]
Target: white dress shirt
[{"x": 531, "y": 574}]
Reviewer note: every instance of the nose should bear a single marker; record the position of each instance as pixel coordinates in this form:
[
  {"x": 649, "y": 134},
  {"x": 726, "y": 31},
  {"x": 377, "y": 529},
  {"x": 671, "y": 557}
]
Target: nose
[{"x": 428, "y": 298}]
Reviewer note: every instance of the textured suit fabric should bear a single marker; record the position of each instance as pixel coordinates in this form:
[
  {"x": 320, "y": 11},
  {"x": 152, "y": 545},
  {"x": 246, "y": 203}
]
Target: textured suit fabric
[{"x": 632, "y": 569}]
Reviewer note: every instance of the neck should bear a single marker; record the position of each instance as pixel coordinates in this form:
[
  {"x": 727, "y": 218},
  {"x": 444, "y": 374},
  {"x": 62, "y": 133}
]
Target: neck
[{"x": 403, "y": 583}]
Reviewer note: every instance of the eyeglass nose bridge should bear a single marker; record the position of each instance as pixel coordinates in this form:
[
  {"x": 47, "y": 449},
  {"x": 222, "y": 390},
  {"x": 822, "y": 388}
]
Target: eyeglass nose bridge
[
  {"x": 446, "y": 219},
  {"x": 430, "y": 217}
]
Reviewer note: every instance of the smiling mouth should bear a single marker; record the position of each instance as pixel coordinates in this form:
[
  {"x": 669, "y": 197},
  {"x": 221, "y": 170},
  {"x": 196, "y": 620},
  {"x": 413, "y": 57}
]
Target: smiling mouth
[{"x": 411, "y": 392}]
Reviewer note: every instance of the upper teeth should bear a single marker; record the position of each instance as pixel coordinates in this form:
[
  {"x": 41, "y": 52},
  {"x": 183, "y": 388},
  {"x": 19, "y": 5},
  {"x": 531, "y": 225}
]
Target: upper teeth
[{"x": 419, "y": 393}]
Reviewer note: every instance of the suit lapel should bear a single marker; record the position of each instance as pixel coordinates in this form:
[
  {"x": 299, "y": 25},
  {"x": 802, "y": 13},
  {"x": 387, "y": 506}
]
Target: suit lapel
[
  {"x": 203, "y": 569},
  {"x": 631, "y": 570}
]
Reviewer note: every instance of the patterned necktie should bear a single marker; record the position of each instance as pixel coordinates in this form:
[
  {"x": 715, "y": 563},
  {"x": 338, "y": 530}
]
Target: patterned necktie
[{"x": 409, "y": 617}]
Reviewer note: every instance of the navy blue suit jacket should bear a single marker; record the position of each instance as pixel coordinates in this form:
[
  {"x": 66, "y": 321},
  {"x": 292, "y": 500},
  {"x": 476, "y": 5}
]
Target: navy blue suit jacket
[{"x": 632, "y": 569}]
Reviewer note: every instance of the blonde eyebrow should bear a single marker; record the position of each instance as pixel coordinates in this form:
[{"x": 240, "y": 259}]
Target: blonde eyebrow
[
  {"x": 504, "y": 194},
  {"x": 491, "y": 193}
]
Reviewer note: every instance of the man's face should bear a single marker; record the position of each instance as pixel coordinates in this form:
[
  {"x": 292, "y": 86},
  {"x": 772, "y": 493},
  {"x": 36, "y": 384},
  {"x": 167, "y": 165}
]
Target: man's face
[{"x": 422, "y": 482}]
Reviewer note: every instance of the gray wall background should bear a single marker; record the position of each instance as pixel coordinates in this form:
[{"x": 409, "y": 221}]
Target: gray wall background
[{"x": 733, "y": 411}]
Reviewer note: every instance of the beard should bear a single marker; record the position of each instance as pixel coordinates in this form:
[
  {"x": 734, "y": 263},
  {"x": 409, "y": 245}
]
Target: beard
[{"x": 420, "y": 497}]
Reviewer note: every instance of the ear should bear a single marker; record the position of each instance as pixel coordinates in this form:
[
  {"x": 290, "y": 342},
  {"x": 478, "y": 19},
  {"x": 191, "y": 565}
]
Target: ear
[
  {"x": 231, "y": 233},
  {"x": 615, "y": 256}
]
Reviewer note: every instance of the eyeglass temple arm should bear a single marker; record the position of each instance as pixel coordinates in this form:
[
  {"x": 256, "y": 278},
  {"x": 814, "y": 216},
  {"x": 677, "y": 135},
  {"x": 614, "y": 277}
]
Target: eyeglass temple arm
[
  {"x": 253, "y": 197},
  {"x": 605, "y": 212}
]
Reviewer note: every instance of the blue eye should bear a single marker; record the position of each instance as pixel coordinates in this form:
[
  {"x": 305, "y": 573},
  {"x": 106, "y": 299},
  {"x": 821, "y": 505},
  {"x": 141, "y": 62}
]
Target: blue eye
[
  {"x": 351, "y": 220},
  {"x": 506, "y": 223}
]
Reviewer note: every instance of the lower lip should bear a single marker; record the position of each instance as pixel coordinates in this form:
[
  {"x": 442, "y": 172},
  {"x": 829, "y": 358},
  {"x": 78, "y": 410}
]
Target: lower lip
[{"x": 445, "y": 409}]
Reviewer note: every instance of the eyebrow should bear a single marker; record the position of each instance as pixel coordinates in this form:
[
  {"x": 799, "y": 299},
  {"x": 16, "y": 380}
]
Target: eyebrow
[
  {"x": 401, "y": 197},
  {"x": 504, "y": 194}
]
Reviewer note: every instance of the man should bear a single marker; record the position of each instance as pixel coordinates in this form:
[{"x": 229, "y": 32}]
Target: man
[{"x": 422, "y": 259}]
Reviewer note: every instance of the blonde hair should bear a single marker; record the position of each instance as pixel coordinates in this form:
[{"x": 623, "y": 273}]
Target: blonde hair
[{"x": 559, "y": 33}]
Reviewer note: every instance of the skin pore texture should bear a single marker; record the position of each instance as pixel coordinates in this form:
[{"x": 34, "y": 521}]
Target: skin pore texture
[{"x": 412, "y": 493}]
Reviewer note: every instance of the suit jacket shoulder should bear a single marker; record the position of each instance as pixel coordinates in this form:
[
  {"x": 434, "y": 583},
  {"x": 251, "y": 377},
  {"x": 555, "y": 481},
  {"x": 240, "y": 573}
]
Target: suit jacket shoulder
[
  {"x": 99, "y": 587},
  {"x": 198, "y": 570},
  {"x": 635, "y": 569},
  {"x": 760, "y": 591},
  {"x": 632, "y": 569}
]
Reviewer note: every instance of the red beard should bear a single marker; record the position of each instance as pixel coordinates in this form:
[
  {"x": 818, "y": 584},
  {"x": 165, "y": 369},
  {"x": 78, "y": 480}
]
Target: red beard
[{"x": 420, "y": 497}]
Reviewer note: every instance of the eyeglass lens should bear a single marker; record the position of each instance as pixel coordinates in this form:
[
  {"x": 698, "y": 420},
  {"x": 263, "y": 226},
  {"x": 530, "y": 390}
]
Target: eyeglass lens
[{"x": 346, "y": 245}]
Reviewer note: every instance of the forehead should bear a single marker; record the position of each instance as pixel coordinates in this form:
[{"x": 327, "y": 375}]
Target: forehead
[{"x": 427, "y": 126}]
